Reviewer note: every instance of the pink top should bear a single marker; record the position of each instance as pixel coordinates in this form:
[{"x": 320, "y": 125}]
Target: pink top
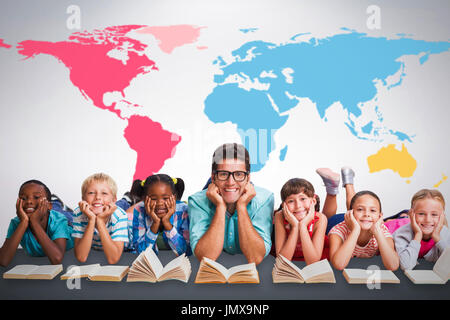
[
  {"x": 394, "y": 224},
  {"x": 298, "y": 253},
  {"x": 425, "y": 246}
]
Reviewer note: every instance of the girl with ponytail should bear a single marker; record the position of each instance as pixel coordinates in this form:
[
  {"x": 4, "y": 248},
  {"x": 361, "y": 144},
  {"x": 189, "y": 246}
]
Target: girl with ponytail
[{"x": 160, "y": 220}]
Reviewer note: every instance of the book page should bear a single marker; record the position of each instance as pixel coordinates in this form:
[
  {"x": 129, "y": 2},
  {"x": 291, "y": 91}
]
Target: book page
[
  {"x": 240, "y": 268},
  {"x": 178, "y": 261},
  {"x": 442, "y": 265},
  {"x": 286, "y": 271},
  {"x": 356, "y": 273},
  {"x": 178, "y": 271},
  {"x": 141, "y": 266},
  {"x": 47, "y": 271},
  {"x": 424, "y": 277},
  {"x": 80, "y": 271},
  {"x": 109, "y": 271},
  {"x": 208, "y": 274},
  {"x": 315, "y": 269},
  {"x": 363, "y": 275},
  {"x": 153, "y": 261},
  {"x": 291, "y": 265},
  {"x": 217, "y": 266},
  {"x": 20, "y": 270}
]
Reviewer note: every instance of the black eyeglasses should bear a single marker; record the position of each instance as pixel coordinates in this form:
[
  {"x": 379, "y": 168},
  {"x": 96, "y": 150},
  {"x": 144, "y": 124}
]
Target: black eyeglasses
[{"x": 238, "y": 176}]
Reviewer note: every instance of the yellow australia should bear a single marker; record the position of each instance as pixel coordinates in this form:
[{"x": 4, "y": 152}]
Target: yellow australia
[
  {"x": 389, "y": 157},
  {"x": 444, "y": 177}
]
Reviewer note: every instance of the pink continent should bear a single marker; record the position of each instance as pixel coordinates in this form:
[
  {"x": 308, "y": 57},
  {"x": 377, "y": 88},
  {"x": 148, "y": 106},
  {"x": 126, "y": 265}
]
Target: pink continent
[
  {"x": 4, "y": 45},
  {"x": 152, "y": 143},
  {"x": 92, "y": 71},
  {"x": 171, "y": 37}
]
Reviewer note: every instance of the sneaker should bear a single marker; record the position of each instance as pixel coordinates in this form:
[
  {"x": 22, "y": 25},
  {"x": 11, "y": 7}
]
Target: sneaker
[
  {"x": 330, "y": 179},
  {"x": 347, "y": 175}
]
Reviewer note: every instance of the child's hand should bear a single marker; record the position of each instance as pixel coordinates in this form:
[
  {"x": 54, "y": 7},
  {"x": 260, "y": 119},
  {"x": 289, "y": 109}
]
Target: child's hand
[
  {"x": 41, "y": 211},
  {"x": 351, "y": 222},
  {"x": 108, "y": 210},
  {"x": 376, "y": 227},
  {"x": 20, "y": 212},
  {"x": 214, "y": 196},
  {"x": 247, "y": 196},
  {"x": 436, "y": 235},
  {"x": 85, "y": 208},
  {"x": 289, "y": 217},
  {"x": 415, "y": 227},
  {"x": 150, "y": 206},
  {"x": 309, "y": 216},
  {"x": 171, "y": 206}
]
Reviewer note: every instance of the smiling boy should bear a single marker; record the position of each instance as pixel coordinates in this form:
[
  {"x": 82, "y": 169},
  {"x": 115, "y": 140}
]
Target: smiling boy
[
  {"x": 98, "y": 222},
  {"x": 232, "y": 214}
]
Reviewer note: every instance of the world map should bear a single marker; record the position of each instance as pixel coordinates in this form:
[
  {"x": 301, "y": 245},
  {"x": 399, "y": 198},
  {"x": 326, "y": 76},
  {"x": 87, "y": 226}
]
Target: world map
[{"x": 255, "y": 86}]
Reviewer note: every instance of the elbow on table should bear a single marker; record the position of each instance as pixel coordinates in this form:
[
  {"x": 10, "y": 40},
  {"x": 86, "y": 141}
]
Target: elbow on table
[
  {"x": 338, "y": 265},
  {"x": 81, "y": 257},
  {"x": 200, "y": 253},
  {"x": 57, "y": 259},
  {"x": 257, "y": 259},
  {"x": 3, "y": 263},
  {"x": 113, "y": 259},
  {"x": 392, "y": 265}
]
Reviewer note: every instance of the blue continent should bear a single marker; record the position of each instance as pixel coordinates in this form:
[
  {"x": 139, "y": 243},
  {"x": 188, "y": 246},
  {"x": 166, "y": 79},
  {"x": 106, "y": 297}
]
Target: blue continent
[{"x": 341, "y": 68}]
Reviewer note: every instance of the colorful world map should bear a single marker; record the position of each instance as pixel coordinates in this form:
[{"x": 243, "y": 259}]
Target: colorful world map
[{"x": 254, "y": 88}]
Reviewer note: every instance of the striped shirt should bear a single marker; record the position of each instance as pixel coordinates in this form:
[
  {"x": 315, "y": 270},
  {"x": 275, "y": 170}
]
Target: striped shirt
[
  {"x": 369, "y": 250},
  {"x": 117, "y": 227},
  {"x": 141, "y": 235}
]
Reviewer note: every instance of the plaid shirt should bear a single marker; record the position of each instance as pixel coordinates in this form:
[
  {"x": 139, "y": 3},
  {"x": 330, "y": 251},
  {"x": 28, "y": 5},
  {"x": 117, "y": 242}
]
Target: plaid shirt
[{"x": 141, "y": 236}]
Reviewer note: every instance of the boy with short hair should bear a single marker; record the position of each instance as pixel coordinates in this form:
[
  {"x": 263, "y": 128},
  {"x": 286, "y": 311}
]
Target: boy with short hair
[{"x": 97, "y": 221}]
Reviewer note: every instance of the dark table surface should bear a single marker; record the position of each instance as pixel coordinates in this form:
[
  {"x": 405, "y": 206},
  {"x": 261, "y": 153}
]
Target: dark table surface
[{"x": 177, "y": 290}]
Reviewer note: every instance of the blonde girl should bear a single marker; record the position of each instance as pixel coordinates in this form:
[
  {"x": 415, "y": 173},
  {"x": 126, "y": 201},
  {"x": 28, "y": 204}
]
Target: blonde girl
[{"x": 427, "y": 235}]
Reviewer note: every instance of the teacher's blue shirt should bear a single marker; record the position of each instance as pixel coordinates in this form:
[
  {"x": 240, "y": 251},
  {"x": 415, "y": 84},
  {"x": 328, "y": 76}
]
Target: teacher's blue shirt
[{"x": 260, "y": 210}]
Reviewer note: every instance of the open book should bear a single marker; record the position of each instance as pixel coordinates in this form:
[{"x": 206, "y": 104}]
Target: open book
[
  {"x": 148, "y": 268},
  {"x": 211, "y": 271},
  {"x": 439, "y": 275},
  {"x": 96, "y": 272},
  {"x": 367, "y": 276},
  {"x": 27, "y": 271},
  {"x": 286, "y": 271}
]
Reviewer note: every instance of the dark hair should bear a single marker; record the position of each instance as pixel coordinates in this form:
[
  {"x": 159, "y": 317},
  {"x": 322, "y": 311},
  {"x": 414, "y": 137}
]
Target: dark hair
[
  {"x": 179, "y": 188},
  {"x": 231, "y": 151},
  {"x": 48, "y": 194},
  {"x": 135, "y": 193},
  {"x": 139, "y": 188},
  {"x": 297, "y": 185},
  {"x": 317, "y": 206},
  {"x": 363, "y": 193}
]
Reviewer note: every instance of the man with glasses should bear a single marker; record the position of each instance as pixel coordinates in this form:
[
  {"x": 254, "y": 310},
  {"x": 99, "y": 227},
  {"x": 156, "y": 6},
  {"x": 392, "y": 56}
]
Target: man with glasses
[{"x": 231, "y": 214}]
